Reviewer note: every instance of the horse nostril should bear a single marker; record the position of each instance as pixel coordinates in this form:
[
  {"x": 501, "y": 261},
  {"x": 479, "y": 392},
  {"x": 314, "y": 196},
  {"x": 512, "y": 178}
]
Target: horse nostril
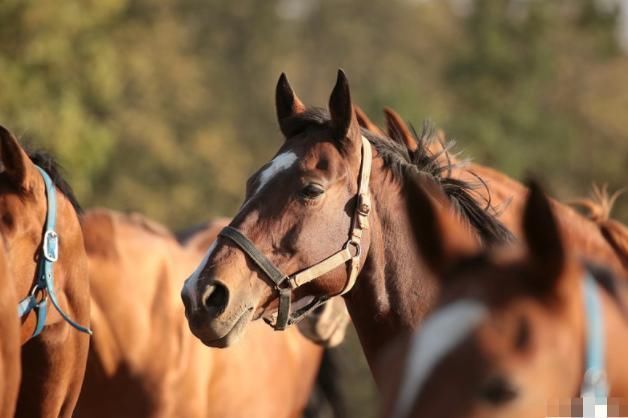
[{"x": 215, "y": 298}]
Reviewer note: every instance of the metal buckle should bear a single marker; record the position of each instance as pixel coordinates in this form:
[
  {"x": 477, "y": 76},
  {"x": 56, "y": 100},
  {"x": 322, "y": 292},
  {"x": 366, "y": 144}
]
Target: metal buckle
[
  {"x": 41, "y": 292},
  {"x": 356, "y": 245},
  {"x": 363, "y": 205},
  {"x": 50, "y": 246}
]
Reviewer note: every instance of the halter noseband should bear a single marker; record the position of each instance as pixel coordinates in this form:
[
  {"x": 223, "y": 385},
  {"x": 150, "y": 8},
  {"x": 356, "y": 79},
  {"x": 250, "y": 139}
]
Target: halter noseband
[
  {"x": 44, "y": 285},
  {"x": 350, "y": 253}
]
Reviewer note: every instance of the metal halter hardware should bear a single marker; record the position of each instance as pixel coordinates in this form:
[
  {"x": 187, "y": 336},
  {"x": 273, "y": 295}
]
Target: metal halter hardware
[
  {"x": 44, "y": 285},
  {"x": 350, "y": 253}
]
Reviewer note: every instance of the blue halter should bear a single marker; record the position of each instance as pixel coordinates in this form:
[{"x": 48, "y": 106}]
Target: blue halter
[
  {"x": 594, "y": 389},
  {"x": 44, "y": 286}
]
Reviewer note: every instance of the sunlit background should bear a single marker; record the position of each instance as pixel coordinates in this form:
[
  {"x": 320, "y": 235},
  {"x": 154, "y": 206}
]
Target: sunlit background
[{"x": 165, "y": 107}]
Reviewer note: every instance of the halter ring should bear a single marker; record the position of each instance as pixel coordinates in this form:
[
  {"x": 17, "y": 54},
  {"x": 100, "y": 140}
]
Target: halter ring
[{"x": 356, "y": 246}]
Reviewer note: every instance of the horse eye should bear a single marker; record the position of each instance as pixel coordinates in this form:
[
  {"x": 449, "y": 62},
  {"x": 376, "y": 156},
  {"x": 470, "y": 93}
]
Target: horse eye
[
  {"x": 497, "y": 390},
  {"x": 312, "y": 191}
]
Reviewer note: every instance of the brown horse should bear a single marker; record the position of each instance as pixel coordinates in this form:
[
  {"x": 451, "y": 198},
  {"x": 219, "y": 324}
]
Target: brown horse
[
  {"x": 53, "y": 362},
  {"x": 10, "y": 341},
  {"x": 301, "y": 208},
  {"x": 520, "y": 332},
  {"x": 144, "y": 363}
]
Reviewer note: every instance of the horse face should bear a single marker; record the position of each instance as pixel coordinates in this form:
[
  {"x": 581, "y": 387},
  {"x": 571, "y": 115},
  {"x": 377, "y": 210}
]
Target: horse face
[
  {"x": 297, "y": 211},
  {"x": 508, "y": 351},
  {"x": 506, "y": 329}
]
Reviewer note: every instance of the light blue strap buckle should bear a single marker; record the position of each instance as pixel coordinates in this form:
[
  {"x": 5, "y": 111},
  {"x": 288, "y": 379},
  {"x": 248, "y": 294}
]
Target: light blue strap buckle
[{"x": 50, "y": 246}]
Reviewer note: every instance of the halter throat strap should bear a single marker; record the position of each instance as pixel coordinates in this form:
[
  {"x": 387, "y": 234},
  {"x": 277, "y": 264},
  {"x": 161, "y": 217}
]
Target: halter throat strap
[
  {"x": 44, "y": 285},
  {"x": 350, "y": 252}
]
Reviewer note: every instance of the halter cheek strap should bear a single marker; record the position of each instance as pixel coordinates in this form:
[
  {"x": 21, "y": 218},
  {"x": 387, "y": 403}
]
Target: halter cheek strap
[
  {"x": 350, "y": 253},
  {"x": 44, "y": 285},
  {"x": 594, "y": 389}
]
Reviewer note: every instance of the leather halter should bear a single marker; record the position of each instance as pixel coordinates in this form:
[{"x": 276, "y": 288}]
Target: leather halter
[
  {"x": 44, "y": 285},
  {"x": 350, "y": 253}
]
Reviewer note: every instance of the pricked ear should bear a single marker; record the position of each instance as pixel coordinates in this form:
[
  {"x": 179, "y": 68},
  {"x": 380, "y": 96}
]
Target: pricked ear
[
  {"x": 344, "y": 123},
  {"x": 13, "y": 158},
  {"x": 543, "y": 238},
  {"x": 399, "y": 130},
  {"x": 287, "y": 103},
  {"x": 365, "y": 122},
  {"x": 441, "y": 237}
]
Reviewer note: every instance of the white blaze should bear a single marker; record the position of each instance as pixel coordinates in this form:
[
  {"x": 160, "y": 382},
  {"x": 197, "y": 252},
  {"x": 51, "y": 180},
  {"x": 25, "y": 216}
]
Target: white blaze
[
  {"x": 444, "y": 330},
  {"x": 280, "y": 163}
]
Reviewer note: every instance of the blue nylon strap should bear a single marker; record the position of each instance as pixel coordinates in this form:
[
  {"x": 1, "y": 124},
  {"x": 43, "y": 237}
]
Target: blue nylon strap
[
  {"x": 45, "y": 266},
  {"x": 26, "y": 305},
  {"x": 594, "y": 385}
]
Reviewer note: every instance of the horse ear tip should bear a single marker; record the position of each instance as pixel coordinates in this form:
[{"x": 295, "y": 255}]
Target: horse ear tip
[
  {"x": 537, "y": 195},
  {"x": 342, "y": 78},
  {"x": 282, "y": 82}
]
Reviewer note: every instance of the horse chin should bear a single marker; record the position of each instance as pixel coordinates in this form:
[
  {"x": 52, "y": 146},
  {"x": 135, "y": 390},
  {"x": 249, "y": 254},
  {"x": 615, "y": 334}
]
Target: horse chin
[{"x": 233, "y": 335}]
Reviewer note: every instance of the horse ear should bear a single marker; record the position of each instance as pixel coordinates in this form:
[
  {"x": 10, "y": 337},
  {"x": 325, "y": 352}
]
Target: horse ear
[
  {"x": 344, "y": 123},
  {"x": 543, "y": 238},
  {"x": 441, "y": 238},
  {"x": 13, "y": 158},
  {"x": 287, "y": 103},
  {"x": 365, "y": 122},
  {"x": 399, "y": 130}
]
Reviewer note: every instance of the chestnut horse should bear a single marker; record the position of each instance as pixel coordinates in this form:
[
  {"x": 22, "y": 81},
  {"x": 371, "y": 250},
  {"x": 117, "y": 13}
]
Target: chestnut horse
[
  {"x": 520, "y": 332},
  {"x": 48, "y": 270},
  {"x": 144, "y": 363},
  {"x": 10, "y": 341},
  {"x": 301, "y": 208}
]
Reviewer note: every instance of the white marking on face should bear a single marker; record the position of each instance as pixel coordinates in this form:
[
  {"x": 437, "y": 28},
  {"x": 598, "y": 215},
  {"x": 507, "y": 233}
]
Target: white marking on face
[
  {"x": 280, "y": 163},
  {"x": 443, "y": 331},
  {"x": 190, "y": 286}
]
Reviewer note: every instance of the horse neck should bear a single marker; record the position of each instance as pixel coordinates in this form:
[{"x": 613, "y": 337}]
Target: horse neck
[{"x": 392, "y": 293}]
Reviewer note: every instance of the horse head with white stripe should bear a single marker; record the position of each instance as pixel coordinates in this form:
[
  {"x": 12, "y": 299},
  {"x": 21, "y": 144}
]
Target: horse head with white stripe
[
  {"x": 516, "y": 332},
  {"x": 299, "y": 209}
]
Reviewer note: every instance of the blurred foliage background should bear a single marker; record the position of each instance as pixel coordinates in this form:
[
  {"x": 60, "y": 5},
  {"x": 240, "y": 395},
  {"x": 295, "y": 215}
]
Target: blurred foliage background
[{"x": 166, "y": 107}]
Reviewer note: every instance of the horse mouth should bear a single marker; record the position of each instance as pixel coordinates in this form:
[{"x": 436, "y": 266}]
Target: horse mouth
[{"x": 233, "y": 335}]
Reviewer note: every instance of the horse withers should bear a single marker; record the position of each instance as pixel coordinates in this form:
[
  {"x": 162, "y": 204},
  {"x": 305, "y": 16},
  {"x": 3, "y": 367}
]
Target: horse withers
[
  {"x": 528, "y": 331},
  {"x": 48, "y": 270}
]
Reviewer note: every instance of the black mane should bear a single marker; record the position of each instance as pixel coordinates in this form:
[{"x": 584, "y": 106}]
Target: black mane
[
  {"x": 401, "y": 162},
  {"x": 54, "y": 170}
]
